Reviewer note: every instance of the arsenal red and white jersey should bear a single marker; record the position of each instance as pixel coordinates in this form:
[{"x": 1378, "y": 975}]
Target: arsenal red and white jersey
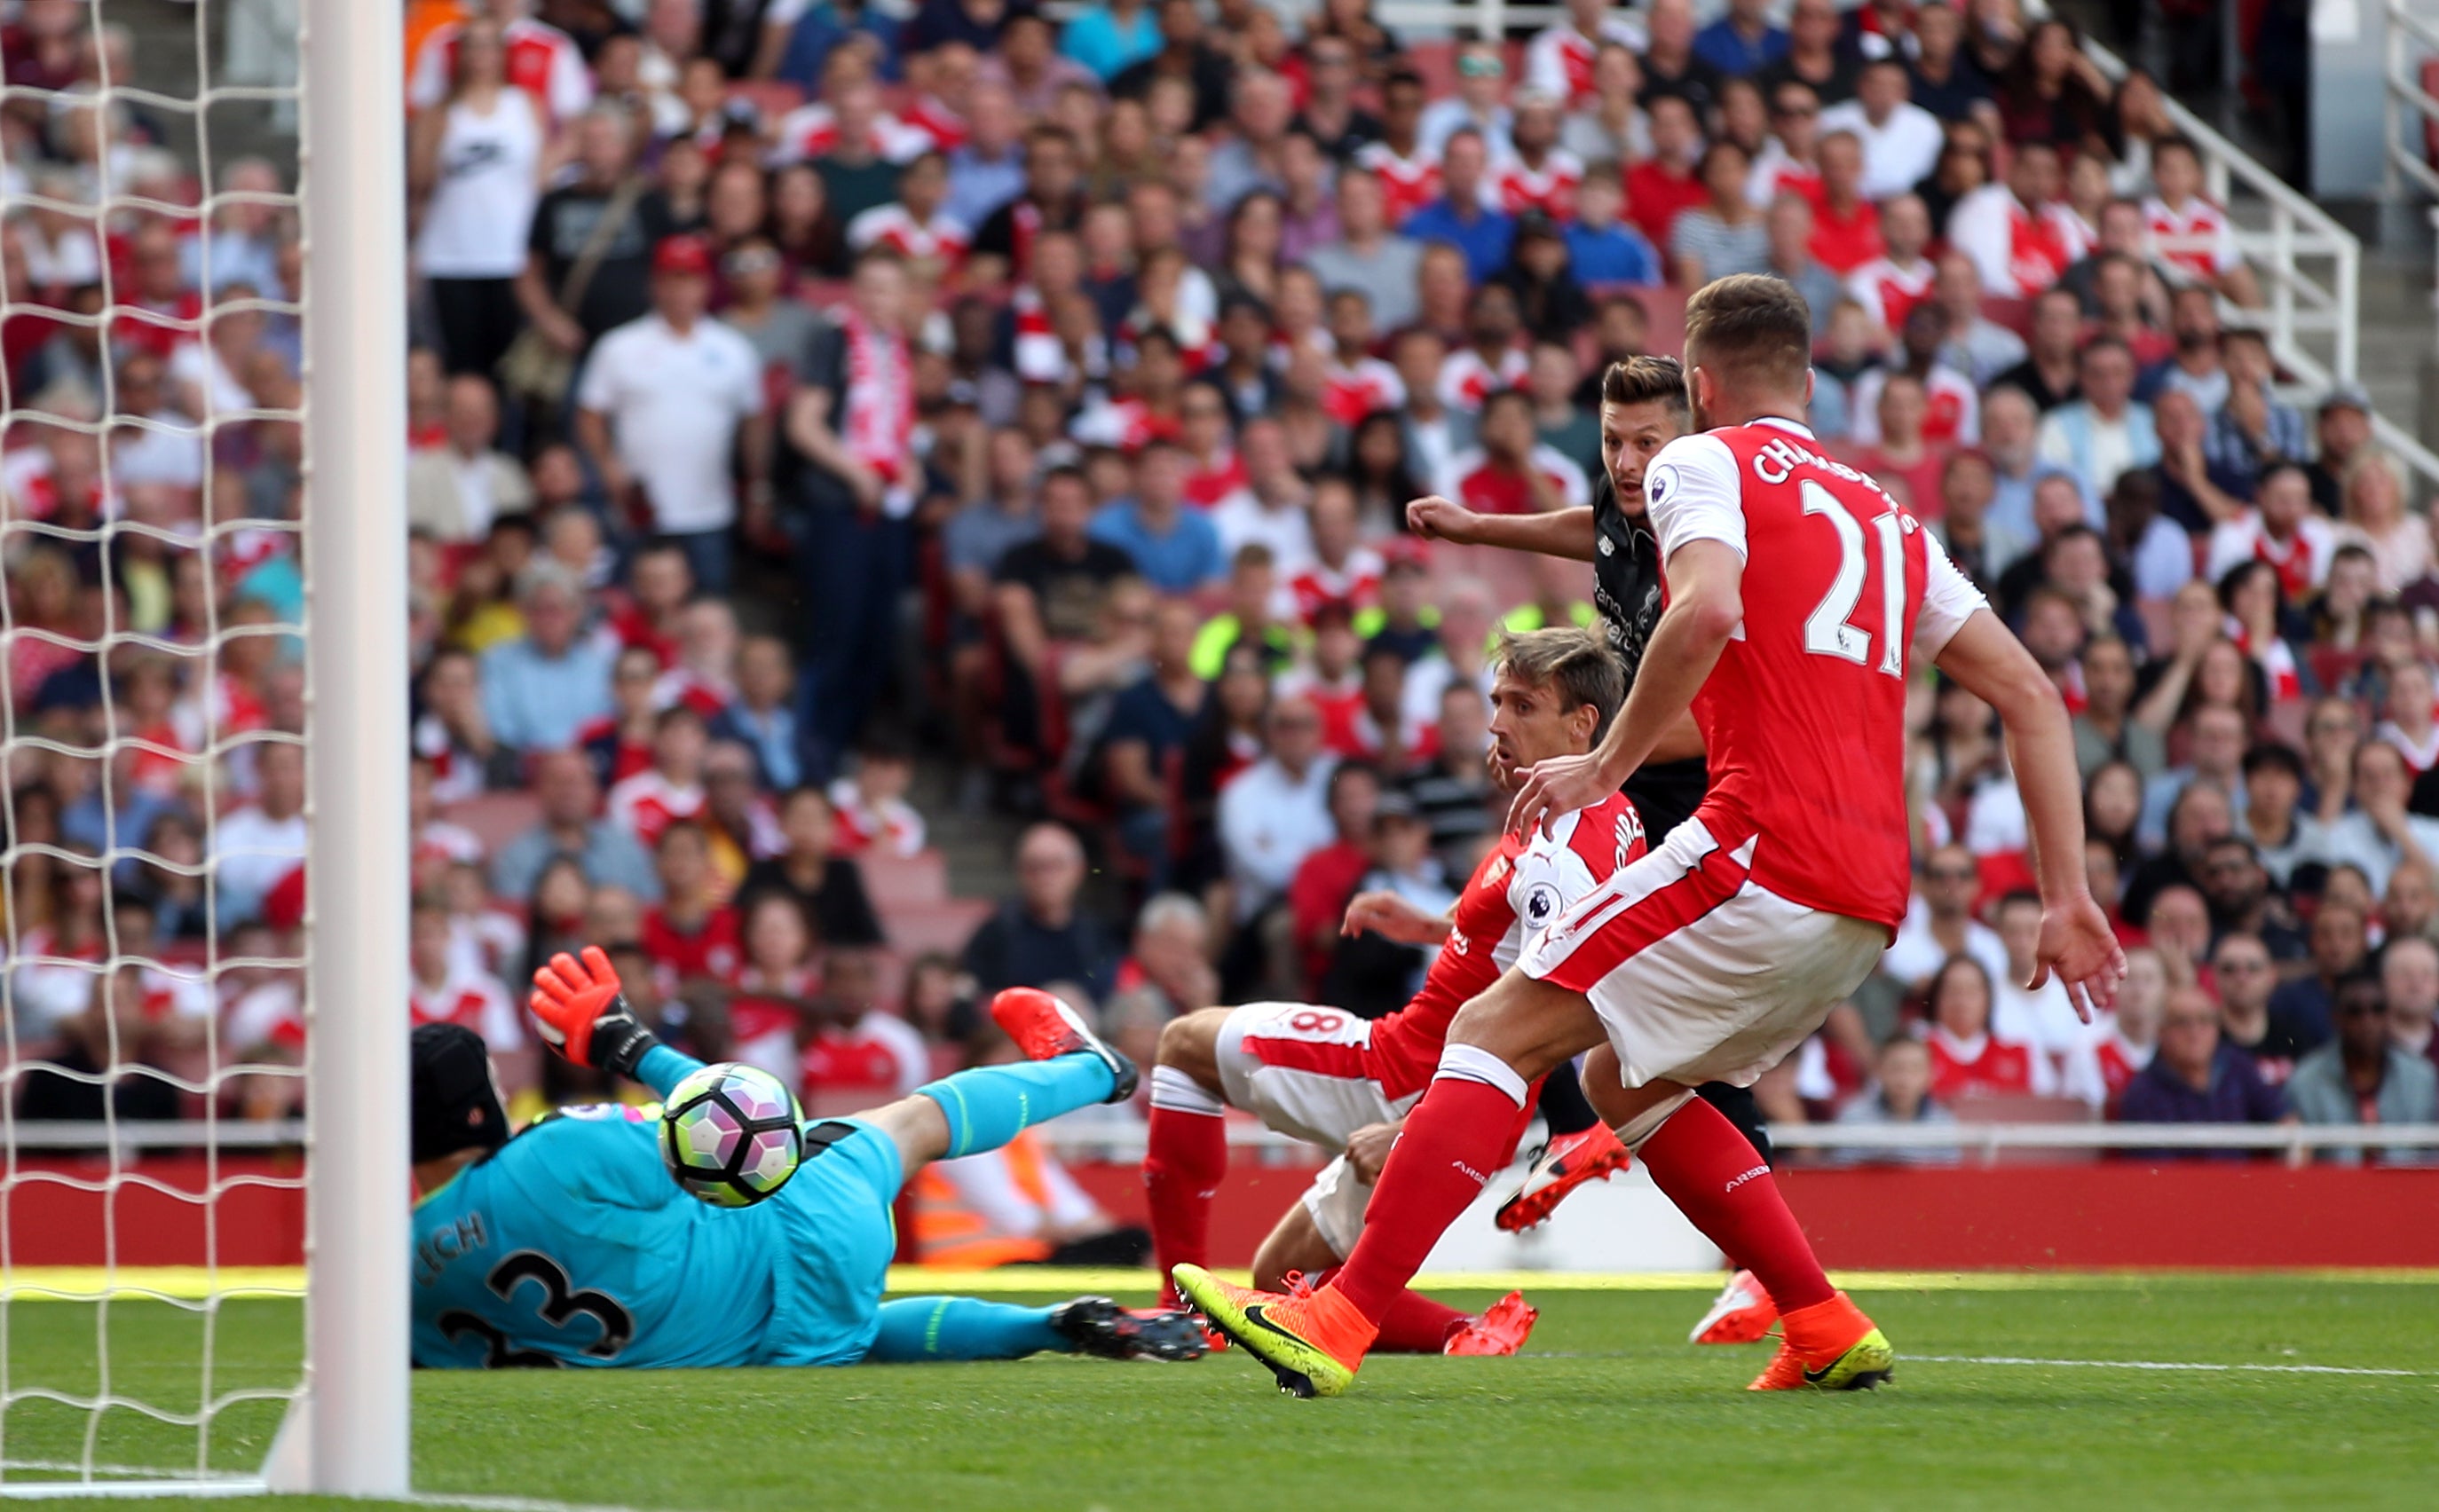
[
  {"x": 1889, "y": 292},
  {"x": 1558, "y": 60},
  {"x": 1407, "y": 184},
  {"x": 470, "y": 1000},
  {"x": 931, "y": 117},
  {"x": 645, "y": 804},
  {"x": 943, "y": 239},
  {"x": 1465, "y": 380},
  {"x": 542, "y": 61},
  {"x": 1356, "y": 582},
  {"x": 1352, "y": 392},
  {"x": 1951, "y": 408},
  {"x": 1472, "y": 481},
  {"x": 1217, "y": 477},
  {"x": 812, "y": 131},
  {"x": 1550, "y": 189},
  {"x": 2195, "y": 237},
  {"x": 1509, "y": 901},
  {"x": 2121, "y": 1060},
  {"x": 880, "y": 1055},
  {"x": 1961, "y": 1068},
  {"x": 1803, "y": 717}
]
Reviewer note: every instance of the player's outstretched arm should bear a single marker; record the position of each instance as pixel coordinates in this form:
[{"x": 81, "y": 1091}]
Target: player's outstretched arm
[
  {"x": 1395, "y": 919},
  {"x": 2075, "y": 941},
  {"x": 1568, "y": 533},
  {"x": 1706, "y": 605},
  {"x": 582, "y": 1013}
]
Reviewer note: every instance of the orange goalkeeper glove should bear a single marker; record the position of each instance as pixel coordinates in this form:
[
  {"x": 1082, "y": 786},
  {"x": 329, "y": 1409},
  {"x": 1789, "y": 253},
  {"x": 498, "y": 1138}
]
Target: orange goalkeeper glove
[{"x": 584, "y": 1016}]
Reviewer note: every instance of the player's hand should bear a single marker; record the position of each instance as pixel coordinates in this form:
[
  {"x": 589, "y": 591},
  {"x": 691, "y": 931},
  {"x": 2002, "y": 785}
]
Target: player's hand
[
  {"x": 1435, "y": 518},
  {"x": 584, "y": 1015},
  {"x": 1367, "y": 1149},
  {"x": 2077, "y": 945},
  {"x": 1393, "y": 918},
  {"x": 1558, "y": 787}
]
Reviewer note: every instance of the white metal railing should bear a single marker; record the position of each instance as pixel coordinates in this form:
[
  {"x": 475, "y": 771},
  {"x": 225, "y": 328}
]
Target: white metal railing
[
  {"x": 2409, "y": 111},
  {"x": 1126, "y": 1143}
]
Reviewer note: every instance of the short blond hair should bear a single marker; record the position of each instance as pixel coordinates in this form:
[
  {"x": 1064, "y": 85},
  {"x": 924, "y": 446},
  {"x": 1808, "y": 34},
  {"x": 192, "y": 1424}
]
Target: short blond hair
[
  {"x": 1753, "y": 327},
  {"x": 1572, "y": 661}
]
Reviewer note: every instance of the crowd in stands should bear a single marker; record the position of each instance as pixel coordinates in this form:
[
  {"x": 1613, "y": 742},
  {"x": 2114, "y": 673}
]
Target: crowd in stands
[{"x": 840, "y": 427}]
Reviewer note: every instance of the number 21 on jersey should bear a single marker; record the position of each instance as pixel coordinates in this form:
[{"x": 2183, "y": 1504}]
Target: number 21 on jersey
[{"x": 1827, "y": 631}]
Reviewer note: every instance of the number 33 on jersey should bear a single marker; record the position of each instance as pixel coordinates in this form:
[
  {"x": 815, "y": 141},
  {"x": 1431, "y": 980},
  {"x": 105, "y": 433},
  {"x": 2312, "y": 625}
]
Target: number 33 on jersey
[{"x": 1843, "y": 589}]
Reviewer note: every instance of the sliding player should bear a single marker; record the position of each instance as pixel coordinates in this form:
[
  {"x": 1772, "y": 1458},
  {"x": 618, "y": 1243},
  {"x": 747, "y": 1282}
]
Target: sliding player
[
  {"x": 1343, "y": 1082},
  {"x": 1643, "y": 408},
  {"x": 1720, "y": 950},
  {"x": 571, "y": 1244}
]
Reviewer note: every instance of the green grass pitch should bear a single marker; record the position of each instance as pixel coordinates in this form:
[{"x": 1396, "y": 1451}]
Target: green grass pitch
[{"x": 1609, "y": 1409}]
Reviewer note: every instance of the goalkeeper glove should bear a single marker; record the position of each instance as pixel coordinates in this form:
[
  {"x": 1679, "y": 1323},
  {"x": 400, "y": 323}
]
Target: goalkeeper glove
[{"x": 584, "y": 1016}]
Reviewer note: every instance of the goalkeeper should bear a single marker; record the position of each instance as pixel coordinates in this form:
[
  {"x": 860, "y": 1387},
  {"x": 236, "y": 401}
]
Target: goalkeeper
[{"x": 571, "y": 1245}]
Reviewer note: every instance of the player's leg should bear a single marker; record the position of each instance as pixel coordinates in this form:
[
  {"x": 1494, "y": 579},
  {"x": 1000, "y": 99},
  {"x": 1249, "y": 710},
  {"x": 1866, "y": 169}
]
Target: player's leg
[
  {"x": 916, "y": 1329},
  {"x": 1744, "y": 1311},
  {"x": 985, "y": 1107},
  {"x": 1463, "y": 1129},
  {"x": 1314, "y": 1236},
  {"x": 1185, "y": 1155},
  {"x": 1691, "y": 1008}
]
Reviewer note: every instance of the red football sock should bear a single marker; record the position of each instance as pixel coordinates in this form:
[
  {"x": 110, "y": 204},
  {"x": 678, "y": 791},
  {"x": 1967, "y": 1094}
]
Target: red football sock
[
  {"x": 1184, "y": 1164},
  {"x": 1452, "y": 1143},
  {"x": 1710, "y": 1170},
  {"x": 1415, "y": 1324}
]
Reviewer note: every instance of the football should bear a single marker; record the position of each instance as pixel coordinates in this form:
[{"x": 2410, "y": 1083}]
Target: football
[{"x": 732, "y": 1134}]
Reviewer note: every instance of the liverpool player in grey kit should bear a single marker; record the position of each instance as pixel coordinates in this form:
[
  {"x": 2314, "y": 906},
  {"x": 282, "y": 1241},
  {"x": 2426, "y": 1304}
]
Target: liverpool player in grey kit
[{"x": 1643, "y": 408}]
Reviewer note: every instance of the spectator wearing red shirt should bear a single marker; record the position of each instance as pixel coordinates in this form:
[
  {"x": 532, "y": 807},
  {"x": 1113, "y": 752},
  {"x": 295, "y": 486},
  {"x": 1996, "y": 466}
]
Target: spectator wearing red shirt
[
  {"x": 1334, "y": 679},
  {"x": 1966, "y": 1058},
  {"x": 672, "y": 788},
  {"x": 1901, "y": 451},
  {"x": 619, "y": 745},
  {"x": 1329, "y": 876},
  {"x": 689, "y": 933},
  {"x": 1665, "y": 184},
  {"x": 1845, "y": 226},
  {"x": 860, "y": 1053}
]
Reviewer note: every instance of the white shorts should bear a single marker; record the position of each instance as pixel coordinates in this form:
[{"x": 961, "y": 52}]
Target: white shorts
[
  {"x": 1299, "y": 1068},
  {"x": 1698, "y": 972}
]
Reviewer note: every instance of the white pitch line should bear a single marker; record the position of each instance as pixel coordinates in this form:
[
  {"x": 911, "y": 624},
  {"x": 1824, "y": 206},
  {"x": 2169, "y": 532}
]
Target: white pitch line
[{"x": 2164, "y": 1364}]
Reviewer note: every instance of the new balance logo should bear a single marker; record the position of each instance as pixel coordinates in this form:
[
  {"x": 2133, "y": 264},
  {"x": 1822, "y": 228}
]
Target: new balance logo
[{"x": 1758, "y": 1170}]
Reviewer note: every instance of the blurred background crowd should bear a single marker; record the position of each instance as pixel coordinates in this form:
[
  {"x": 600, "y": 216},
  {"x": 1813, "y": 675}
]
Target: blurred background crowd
[{"x": 907, "y": 498}]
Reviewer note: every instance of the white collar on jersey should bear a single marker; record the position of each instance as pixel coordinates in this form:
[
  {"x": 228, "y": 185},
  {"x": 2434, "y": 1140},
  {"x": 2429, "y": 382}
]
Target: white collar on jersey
[{"x": 1797, "y": 426}]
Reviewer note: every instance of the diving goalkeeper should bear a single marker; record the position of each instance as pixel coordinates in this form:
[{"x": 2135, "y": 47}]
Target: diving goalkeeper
[{"x": 571, "y": 1245}]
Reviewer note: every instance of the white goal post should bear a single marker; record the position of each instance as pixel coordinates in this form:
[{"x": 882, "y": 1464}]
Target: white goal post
[
  {"x": 353, "y": 187},
  {"x": 335, "y": 69}
]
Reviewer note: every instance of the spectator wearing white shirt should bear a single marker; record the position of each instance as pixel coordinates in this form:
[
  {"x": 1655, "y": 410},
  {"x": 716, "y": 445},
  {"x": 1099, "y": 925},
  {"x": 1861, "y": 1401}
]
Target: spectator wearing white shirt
[
  {"x": 444, "y": 988},
  {"x": 455, "y": 489},
  {"x": 1940, "y": 923},
  {"x": 1481, "y": 81},
  {"x": 1276, "y": 811},
  {"x": 168, "y": 450},
  {"x": 2043, "y": 1018},
  {"x": 254, "y": 847},
  {"x": 666, "y": 400},
  {"x": 2283, "y": 529},
  {"x": 1901, "y": 140}
]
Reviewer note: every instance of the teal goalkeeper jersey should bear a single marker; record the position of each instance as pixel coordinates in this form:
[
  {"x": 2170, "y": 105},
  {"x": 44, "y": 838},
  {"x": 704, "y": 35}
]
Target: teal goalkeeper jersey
[{"x": 571, "y": 1245}]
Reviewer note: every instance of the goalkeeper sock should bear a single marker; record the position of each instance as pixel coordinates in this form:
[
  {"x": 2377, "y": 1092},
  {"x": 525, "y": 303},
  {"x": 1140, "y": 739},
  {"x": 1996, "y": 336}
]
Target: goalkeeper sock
[
  {"x": 1185, "y": 1161},
  {"x": 920, "y": 1329},
  {"x": 991, "y": 1105}
]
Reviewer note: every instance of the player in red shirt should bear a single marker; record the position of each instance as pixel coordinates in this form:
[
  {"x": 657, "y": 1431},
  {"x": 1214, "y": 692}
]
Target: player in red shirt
[
  {"x": 1343, "y": 1082},
  {"x": 1722, "y": 949}
]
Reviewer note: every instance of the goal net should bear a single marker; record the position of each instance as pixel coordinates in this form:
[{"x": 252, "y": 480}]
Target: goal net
[{"x": 191, "y": 1053}]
